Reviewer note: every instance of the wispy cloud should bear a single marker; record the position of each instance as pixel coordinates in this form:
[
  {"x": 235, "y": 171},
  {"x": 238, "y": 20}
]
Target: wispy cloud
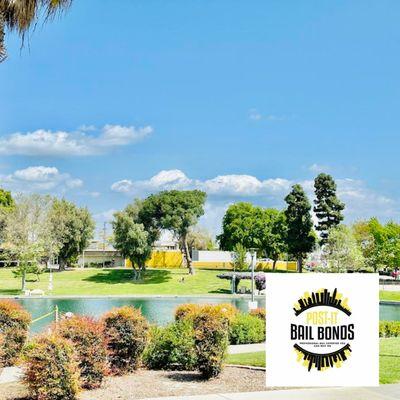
[
  {"x": 256, "y": 115},
  {"x": 85, "y": 141},
  {"x": 40, "y": 179},
  {"x": 318, "y": 168}
]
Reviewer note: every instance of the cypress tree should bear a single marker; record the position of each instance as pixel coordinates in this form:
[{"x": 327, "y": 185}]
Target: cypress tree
[{"x": 328, "y": 208}]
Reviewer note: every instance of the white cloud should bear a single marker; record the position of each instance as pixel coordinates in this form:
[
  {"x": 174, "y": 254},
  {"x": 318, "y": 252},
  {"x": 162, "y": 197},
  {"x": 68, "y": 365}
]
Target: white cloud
[
  {"x": 318, "y": 168},
  {"x": 78, "y": 143},
  {"x": 222, "y": 185},
  {"x": 255, "y": 115},
  {"x": 39, "y": 178}
]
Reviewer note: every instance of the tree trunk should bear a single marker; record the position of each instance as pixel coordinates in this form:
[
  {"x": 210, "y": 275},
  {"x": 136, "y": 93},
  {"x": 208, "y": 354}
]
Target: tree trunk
[
  {"x": 23, "y": 281},
  {"x": 62, "y": 264},
  {"x": 187, "y": 255},
  {"x": 300, "y": 264},
  {"x": 274, "y": 265}
]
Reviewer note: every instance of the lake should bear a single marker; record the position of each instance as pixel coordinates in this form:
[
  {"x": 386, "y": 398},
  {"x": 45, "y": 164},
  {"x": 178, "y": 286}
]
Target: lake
[{"x": 158, "y": 310}]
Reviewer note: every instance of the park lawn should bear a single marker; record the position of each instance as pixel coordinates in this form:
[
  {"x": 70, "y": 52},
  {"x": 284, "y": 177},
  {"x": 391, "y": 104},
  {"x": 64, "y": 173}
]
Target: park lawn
[
  {"x": 389, "y": 360},
  {"x": 256, "y": 359},
  {"x": 389, "y": 295},
  {"x": 119, "y": 282}
]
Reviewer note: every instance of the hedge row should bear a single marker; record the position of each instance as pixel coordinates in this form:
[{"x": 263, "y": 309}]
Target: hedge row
[{"x": 389, "y": 328}]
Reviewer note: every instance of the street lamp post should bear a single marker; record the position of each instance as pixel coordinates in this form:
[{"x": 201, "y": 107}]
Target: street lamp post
[{"x": 252, "y": 303}]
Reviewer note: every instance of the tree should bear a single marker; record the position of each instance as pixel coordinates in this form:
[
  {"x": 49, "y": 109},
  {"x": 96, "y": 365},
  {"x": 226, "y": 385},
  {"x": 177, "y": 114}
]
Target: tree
[
  {"x": 7, "y": 204},
  {"x": 341, "y": 251},
  {"x": 27, "y": 237},
  {"x": 300, "y": 237},
  {"x": 241, "y": 224},
  {"x": 20, "y": 15},
  {"x": 199, "y": 239},
  {"x": 328, "y": 208},
  {"x": 239, "y": 258},
  {"x": 174, "y": 210},
  {"x": 131, "y": 238},
  {"x": 72, "y": 228}
]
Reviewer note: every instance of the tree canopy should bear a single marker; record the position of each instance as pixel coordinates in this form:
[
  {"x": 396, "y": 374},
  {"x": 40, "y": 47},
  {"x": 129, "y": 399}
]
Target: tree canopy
[
  {"x": 328, "y": 208},
  {"x": 300, "y": 237}
]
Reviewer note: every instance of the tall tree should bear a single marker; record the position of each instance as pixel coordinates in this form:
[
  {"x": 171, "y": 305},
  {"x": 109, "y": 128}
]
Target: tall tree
[
  {"x": 73, "y": 227},
  {"x": 200, "y": 239},
  {"x": 300, "y": 237},
  {"x": 27, "y": 237},
  {"x": 7, "y": 204},
  {"x": 21, "y": 15},
  {"x": 342, "y": 252},
  {"x": 131, "y": 239},
  {"x": 174, "y": 210},
  {"x": 328, "y": 208}
]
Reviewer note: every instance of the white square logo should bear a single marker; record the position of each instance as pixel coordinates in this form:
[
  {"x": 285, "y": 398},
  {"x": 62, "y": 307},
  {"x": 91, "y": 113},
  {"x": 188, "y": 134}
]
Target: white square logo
[{"x": 322, "y": 329}]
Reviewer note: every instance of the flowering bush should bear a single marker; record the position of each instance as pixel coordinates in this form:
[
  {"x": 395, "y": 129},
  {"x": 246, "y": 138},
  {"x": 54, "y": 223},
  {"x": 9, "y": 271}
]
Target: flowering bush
[
  {"x": 14, "y": 324},
  {"x": 126, "y": 332},
  {"x": 87, "y": 335},
  {"x": 211, "y": 341},
  {"x": 51, "y": 369},
  {"x": 172, "y": 347},
  {"x": 190, "y": 311},
  {"x": 259, "y": 313},
  {"x": 260, "y": 282}
]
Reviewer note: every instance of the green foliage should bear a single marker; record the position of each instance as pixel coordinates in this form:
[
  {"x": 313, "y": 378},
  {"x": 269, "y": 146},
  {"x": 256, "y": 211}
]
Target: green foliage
[
  {"x": 246, "y": 328},
  {"x": 199, "y": 239},
  {"x": 239, "y": 258},
  {"x": 259, "y": 313},
  {"x": 14, "y": 325},
  {"x": 131, "y": 238},
  {"x": 6, "y": 200},
  {"x": 389, "y": 328},
  {"x": 342, "y": 251},
  {"x": 172, "y": 347},
  {"x": 73, "y": 227},
  {"x": 254, "y": 227},
  {"x": 87, "y": 335},
  {"x": 126, "y": 332},
  {"x": 174, "y": 210},
  {"x": 300, "y": 237},
  {"x": 211, "y": 341},
  {"x": 189, "y": 311},
  {"x": 328, "y": 208},
  {"x": 51, "y": 370}
]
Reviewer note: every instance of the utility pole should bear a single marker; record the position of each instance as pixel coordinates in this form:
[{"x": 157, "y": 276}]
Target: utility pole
[{"x": 252, "y": 303}]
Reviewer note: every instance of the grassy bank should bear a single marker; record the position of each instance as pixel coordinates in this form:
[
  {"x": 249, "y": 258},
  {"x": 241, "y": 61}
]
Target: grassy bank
[
  {"x": 389, "y": 295},
  {"x": 119, "y": 282},
  {"x": 389, "y": 360}
]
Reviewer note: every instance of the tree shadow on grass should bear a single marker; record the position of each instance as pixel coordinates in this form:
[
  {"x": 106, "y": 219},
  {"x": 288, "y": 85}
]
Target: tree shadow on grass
[
  {"x": 10, "y": 292},
  {"x": 221, "y": 291},
  {"x": 114, "y": 276}
]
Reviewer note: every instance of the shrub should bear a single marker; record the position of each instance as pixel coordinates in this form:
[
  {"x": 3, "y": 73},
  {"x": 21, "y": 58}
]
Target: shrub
[
  {"x": 51, "y": 369},
  {"x": 14, "y": 324},
  {"x": 259, "y": 313},
  {"x": 389, "y": 328},
  {"x": 211, "y": 341},
  {"x": 126, "y": 331},
  {"x": 260, "y": 282},
  {"x": 246, "y": 328},
  {"x": 87, "y": 335},
  {"x": 190, "y": 311},
  {"x": 172, "y": 347}
]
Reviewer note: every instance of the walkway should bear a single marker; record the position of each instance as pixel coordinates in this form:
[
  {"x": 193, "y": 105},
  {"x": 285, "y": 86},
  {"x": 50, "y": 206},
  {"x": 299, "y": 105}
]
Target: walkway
[
  {"x": 246, "y": 348},
  {"x": 384, "y": 392}
]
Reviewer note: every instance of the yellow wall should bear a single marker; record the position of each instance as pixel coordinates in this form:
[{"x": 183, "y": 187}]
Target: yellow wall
[{"x": 174, "y": 259}]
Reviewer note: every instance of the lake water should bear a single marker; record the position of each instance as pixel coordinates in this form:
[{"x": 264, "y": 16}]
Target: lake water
[{"x": 158, "y": 310}]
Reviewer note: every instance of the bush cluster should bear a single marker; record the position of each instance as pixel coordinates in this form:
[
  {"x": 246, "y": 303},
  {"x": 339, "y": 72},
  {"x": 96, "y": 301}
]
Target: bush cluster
[
  {"x": 51, "y": 369},
  {"x": 246, "y": 328},
  {"x": 14, "y": 325},
  {"x": 172, "y": 347},
  {"x": 190, "y": 311},
  {"x": 211, "y": 341},
  {"x": 259, "y": 313},
  {"x": 87, "y": 336},
  {"x": 126, "y": 332},
  {"x": 389, "y": 328}
]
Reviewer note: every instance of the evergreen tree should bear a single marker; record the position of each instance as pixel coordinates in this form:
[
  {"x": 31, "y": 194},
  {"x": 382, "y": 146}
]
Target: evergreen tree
[
  {"x": 328, "y": 208},
  {"x": 300, "y": 237}
]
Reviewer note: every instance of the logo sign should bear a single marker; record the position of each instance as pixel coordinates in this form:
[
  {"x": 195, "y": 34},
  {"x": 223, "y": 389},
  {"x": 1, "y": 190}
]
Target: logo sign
[{"x": 322, "y": 329}]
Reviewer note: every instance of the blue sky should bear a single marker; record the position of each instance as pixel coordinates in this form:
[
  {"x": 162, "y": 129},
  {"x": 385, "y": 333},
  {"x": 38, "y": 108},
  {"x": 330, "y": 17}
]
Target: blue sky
[{"x": 238, "y": 98}]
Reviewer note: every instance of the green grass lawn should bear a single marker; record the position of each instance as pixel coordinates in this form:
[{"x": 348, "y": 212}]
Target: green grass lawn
[
  {"x": 119, "y": 282},
  {"x": 389, "y": 360},
  {"x": 389, "y": 295},
  {"x": 257, "y": 359}
]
